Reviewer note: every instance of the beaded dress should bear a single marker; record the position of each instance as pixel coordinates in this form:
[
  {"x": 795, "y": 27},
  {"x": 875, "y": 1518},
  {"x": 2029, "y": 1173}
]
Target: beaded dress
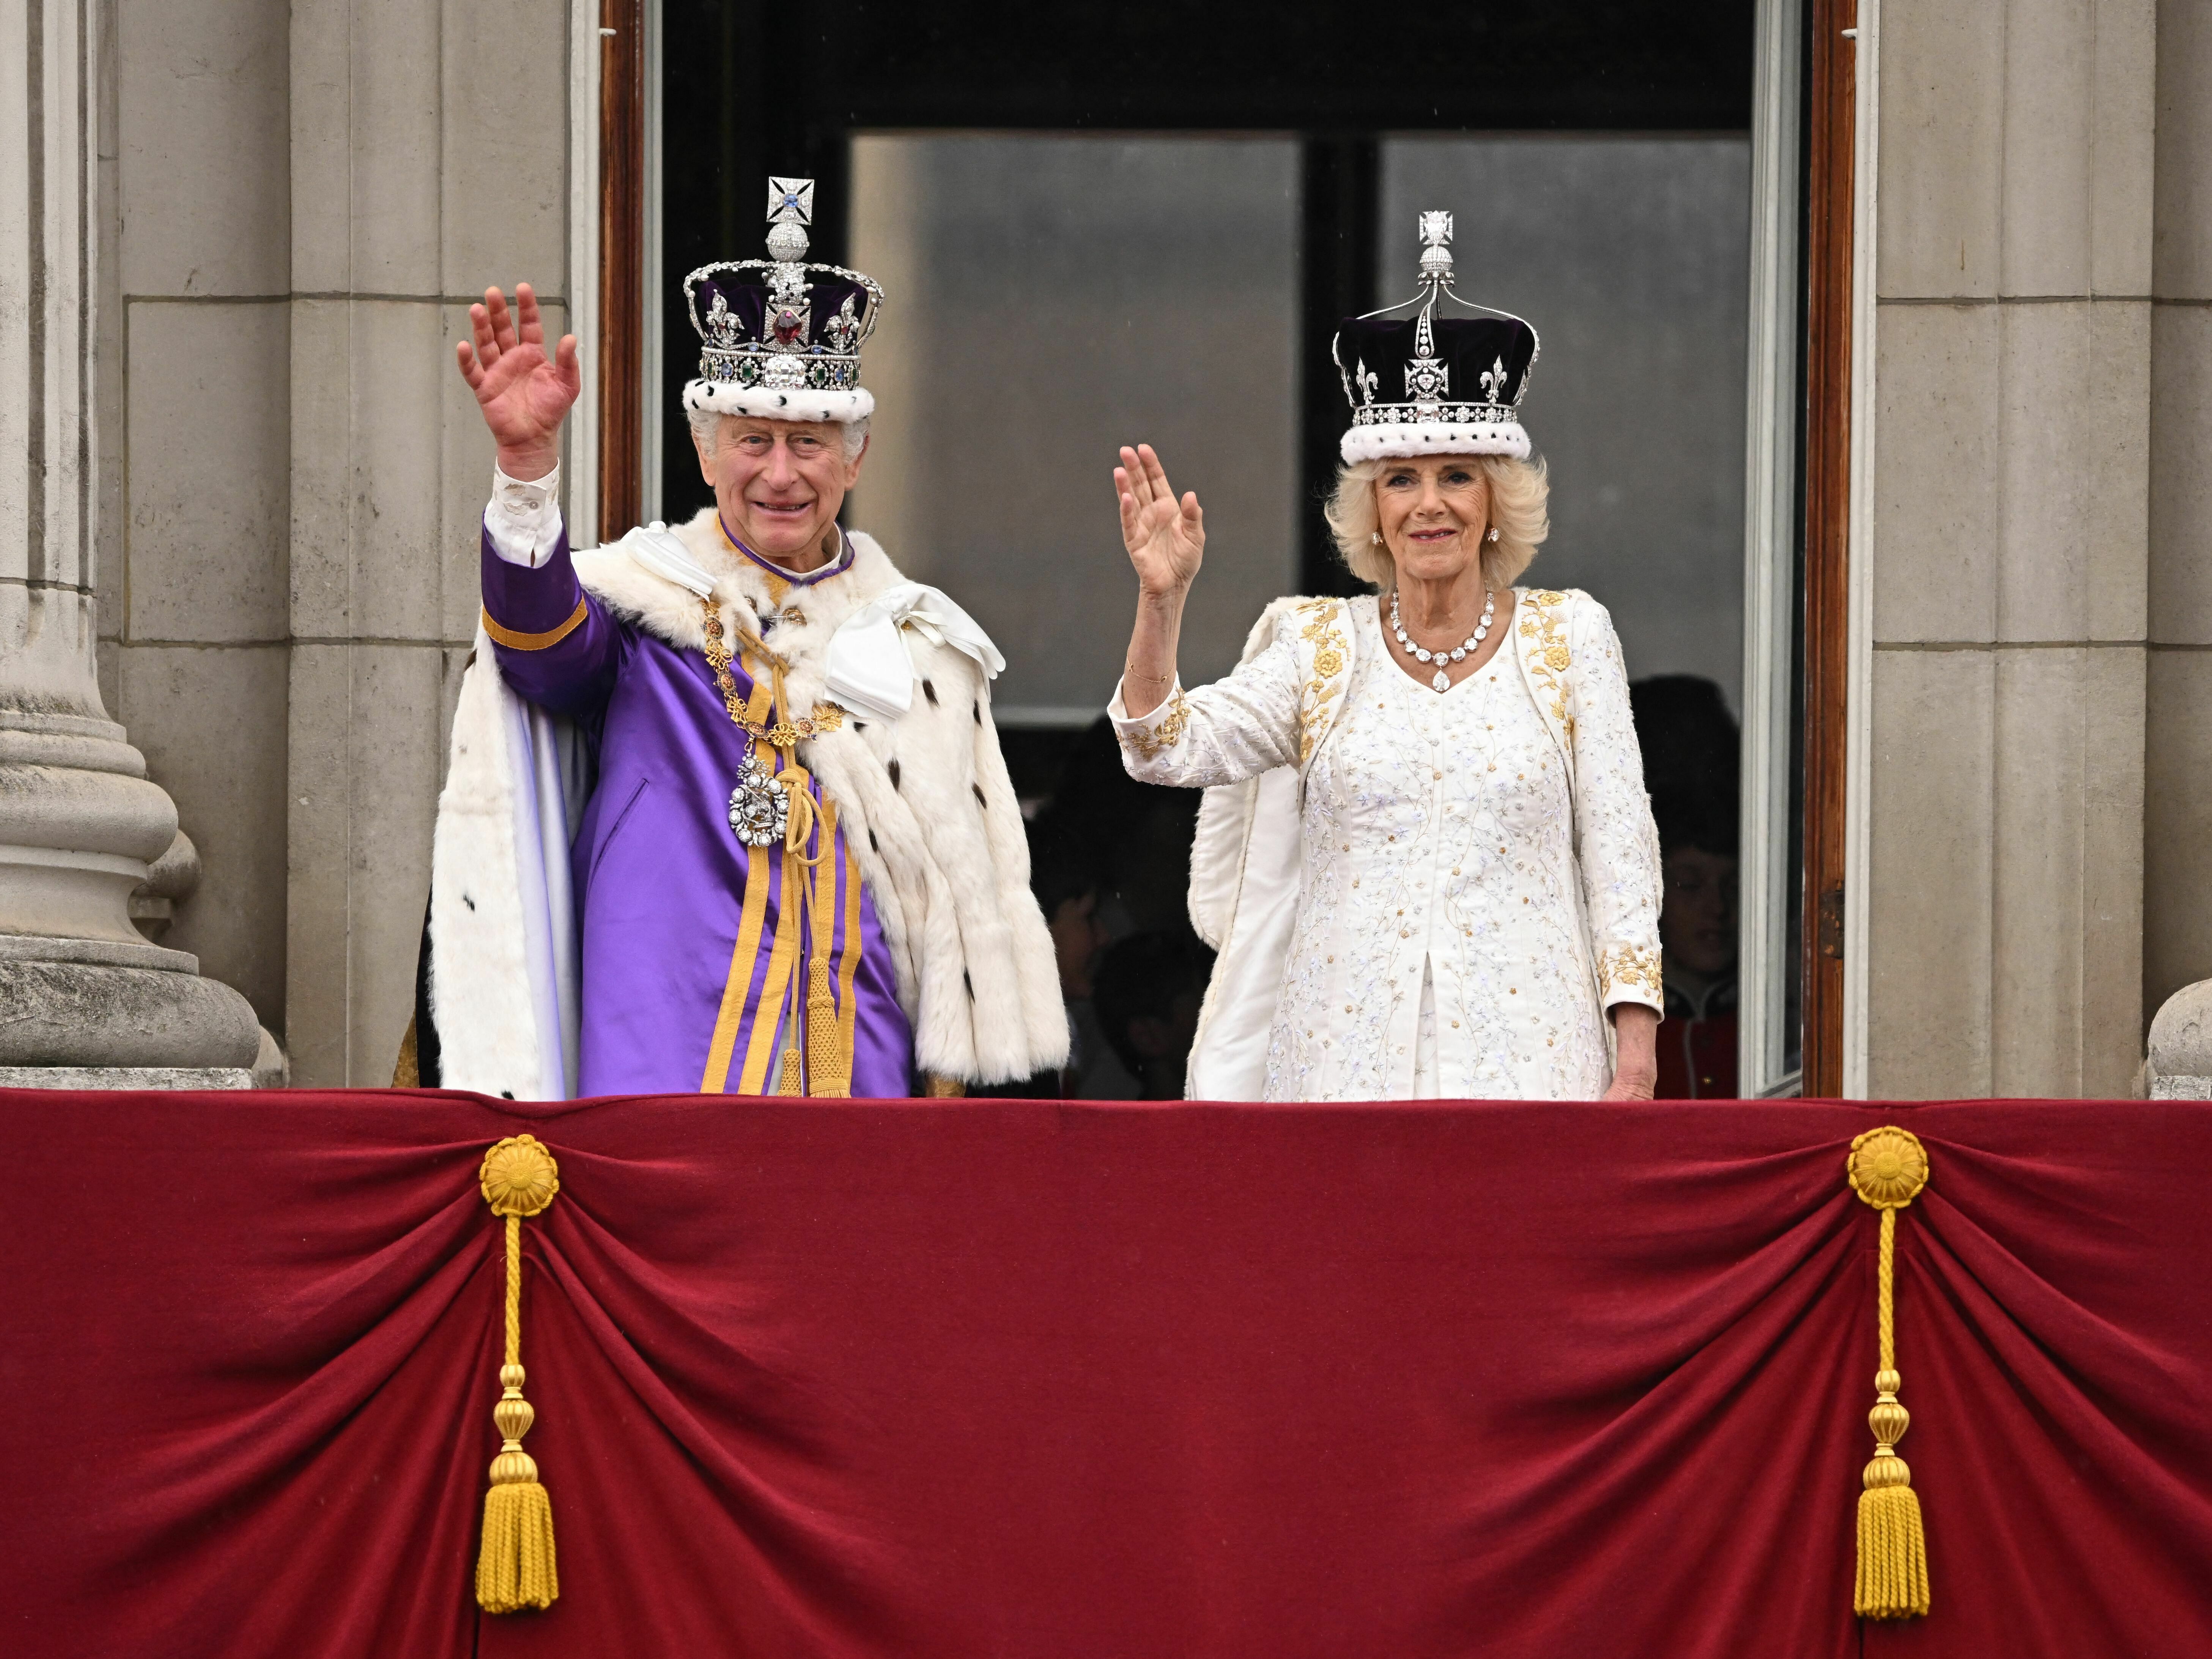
[{"x": 1471, "y": 894}]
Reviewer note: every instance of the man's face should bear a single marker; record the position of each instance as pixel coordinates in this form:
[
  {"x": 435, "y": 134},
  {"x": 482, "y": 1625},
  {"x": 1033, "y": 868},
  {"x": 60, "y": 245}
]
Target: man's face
[
  {"x": 779, "y": 484},
  {"x": 1697, "y": 921}
]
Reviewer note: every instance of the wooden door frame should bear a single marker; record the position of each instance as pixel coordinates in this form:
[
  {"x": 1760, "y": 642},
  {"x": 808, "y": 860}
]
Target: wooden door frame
[{"x": 622, "y": 308}]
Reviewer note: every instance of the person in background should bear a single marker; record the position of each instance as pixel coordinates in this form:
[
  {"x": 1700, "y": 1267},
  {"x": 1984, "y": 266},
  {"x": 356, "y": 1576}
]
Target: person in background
[
  {"x": 1139, "y": 835},
  {"x": 1066, "y": 879},
  {"x": 1692, "y": 762},
  {"x": 1147, "y": 993},
  {"x": 1698, "y": 948}
]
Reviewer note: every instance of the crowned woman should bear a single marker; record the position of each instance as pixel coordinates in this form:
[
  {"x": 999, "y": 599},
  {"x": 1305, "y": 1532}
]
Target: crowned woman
[
  {"x": 1426, "y": 856},
  {"x": 726, "y": 811}
]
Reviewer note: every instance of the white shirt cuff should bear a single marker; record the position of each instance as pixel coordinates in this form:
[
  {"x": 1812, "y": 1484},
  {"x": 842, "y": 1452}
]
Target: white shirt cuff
[{"x": 524, "y": 517}]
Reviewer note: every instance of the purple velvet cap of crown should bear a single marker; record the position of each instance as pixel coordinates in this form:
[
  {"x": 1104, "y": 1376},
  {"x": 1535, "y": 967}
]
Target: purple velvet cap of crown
[{"x": 744, "y": 293}]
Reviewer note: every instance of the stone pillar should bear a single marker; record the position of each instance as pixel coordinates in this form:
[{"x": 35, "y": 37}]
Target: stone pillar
[
  {"x": 2011, "y": 533},
  {"x": 80, "y": 823},
  {"x": 428, "y": 159}
]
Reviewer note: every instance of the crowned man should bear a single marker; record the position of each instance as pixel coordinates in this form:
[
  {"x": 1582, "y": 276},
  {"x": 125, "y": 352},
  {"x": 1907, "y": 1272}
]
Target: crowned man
[{"x": 725, "y": 810}]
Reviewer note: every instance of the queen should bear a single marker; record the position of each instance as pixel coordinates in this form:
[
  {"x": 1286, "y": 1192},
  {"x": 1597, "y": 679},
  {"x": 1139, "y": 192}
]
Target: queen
[{"x": 1425, "y": 858}]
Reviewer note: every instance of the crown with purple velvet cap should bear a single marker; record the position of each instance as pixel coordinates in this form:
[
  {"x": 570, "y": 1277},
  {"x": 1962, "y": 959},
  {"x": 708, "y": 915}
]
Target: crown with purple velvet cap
[
  {"x": 780, "y": 338},
  {"x": 1428, "y": 385}
]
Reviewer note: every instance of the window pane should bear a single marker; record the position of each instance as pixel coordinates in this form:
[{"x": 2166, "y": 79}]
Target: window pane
[
  {"x": 1631, "y": 258},
  {"x": 1049, "y": 298}
]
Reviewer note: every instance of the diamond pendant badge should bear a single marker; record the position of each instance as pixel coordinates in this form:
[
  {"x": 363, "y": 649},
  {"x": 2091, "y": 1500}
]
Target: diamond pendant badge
[
  {"x": 759, "y": 808},
  {"x": 1442, "y": 681}
]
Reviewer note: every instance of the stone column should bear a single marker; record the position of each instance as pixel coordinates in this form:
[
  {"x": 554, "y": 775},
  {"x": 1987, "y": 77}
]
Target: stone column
[
  {"x": 2010, "y": 531},
  {"x": 80, "y": 823},
  {"x": 429, "y": 158}
]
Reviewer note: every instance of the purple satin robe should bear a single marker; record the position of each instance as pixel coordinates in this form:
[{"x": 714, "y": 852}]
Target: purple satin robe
[{"x": 660, "y": 878}]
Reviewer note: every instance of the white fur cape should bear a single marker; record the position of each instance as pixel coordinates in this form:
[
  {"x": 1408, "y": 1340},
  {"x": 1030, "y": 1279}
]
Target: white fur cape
[{"x": 925, "y": 801}]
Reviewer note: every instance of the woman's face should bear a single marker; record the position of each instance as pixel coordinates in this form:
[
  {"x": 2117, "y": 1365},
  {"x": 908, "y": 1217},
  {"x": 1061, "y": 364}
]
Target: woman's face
[{"x": 1434, "y": 510}]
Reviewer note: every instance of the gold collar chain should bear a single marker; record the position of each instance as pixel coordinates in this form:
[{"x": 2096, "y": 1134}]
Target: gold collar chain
[{"x": 785, "y": 733}]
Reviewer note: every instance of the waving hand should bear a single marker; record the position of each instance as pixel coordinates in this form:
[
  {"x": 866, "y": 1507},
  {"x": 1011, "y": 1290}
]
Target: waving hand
[
  {"x": 525, "y": 396},
  {"x": 1166, "y": 539}
]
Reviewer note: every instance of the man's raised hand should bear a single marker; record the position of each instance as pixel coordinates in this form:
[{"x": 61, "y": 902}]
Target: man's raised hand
[{"x": 524, "y": 395}]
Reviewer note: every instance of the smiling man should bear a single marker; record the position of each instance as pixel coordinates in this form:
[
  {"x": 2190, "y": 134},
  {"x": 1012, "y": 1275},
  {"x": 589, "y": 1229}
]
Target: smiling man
[{"x": 725, "y": 810}]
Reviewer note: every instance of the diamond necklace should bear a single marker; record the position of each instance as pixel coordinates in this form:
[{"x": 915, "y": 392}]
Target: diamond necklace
[{"x": 1457, "y": 654}]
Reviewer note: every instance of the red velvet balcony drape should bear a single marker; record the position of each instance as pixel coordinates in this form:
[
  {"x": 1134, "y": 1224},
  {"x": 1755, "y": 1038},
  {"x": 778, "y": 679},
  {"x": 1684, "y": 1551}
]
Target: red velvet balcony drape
[{"x": 989, "y": 1379}]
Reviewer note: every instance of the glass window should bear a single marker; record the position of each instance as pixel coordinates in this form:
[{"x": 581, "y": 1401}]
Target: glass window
[{"x": 1049, "y": 298}]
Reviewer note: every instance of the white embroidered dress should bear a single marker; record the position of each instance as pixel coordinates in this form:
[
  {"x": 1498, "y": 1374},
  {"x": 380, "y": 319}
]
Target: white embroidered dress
[{"x": 1477, "y": 874}]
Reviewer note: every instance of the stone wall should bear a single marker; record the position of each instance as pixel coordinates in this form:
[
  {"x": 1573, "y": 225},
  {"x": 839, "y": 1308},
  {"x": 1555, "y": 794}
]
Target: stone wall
[
  {"x": 307, "y": 197},
  {"x": 2011, "y": 543}
]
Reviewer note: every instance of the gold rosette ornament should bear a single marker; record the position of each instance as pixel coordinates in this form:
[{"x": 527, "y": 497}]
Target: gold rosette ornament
[
  {"x": 1887, "y": 1168},
  {"x": 514, "y": 1567}
]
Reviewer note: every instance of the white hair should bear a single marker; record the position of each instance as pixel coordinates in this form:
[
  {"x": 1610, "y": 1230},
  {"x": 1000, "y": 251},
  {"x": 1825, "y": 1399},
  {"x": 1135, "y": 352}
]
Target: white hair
[
  {"x": 1519, "y": 496},
  {"x": 706, "y": 431}
]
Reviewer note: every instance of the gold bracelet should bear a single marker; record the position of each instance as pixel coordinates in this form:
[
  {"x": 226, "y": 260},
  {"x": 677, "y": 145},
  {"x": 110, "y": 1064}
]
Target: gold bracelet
[{"x": 1128, "y": 674}]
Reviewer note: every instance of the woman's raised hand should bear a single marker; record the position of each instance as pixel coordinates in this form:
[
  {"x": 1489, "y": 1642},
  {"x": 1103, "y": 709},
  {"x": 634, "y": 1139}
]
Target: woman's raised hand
[
  {"x": 1166, "y": 539},
  {"x": 525, "y": 396}
]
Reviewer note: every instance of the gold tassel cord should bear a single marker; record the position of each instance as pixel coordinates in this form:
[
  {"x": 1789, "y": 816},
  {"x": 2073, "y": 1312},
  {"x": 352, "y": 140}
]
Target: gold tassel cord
[
  {"x": 516, "y": 1567},
  {"x": 1887, "y": 1168},
  {"x": 816, "y": 1057}
]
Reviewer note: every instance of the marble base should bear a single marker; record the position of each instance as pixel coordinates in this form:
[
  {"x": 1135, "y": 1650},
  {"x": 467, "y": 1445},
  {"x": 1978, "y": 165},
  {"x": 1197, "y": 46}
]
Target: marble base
[
  {"x": 126, "y": 1076},
  {"x": 97, "y": 1004}
]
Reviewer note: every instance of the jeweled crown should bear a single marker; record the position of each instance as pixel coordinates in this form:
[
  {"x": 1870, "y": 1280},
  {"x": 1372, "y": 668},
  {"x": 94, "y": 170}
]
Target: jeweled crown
[
  {"x": 1428, "y": 384},
  {"x": 779, "y": 325}
]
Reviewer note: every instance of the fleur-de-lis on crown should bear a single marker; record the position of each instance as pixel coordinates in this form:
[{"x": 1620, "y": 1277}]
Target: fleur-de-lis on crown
[
  {"x": 1366, "y": 379},
  {"x": 1493, "y": 381},
  {"x": 844, "y": 328},
  {"x": 721, "y": 327}
]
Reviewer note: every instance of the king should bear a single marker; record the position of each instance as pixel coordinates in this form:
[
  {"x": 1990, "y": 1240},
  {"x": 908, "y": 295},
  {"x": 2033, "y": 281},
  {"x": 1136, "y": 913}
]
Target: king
[{"x": 725, "y": 810}]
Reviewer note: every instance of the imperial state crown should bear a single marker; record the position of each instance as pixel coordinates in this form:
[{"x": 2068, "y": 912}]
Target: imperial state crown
[{"x": 780, "y": 338}]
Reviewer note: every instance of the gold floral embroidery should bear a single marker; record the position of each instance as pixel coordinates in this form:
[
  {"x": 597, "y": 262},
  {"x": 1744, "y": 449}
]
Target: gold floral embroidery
[
  {"x": 1328, "y": 662},
  {"x": 1628, "y": 965},
  {"x": 1550, "y": 657},
  {"x": 1148, "y": 745}
]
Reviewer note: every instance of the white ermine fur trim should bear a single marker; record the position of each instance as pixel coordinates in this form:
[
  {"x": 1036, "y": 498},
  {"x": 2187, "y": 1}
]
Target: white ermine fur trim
[
  {"x": 768, "y": 405},
  {"x": 480, "y": 980},
  {"x": 1374, "y": 443},
  {"x": 924, "y": 800}
]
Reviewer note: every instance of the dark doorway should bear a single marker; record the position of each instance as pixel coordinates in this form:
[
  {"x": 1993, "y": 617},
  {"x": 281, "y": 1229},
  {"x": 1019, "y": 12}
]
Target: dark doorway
[
  {"x": 751, "y": 90},
  {"x": 1013, "y": 134}
]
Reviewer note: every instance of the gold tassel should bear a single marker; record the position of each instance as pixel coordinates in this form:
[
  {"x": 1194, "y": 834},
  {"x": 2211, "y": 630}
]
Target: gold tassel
[
  {"x": 1888, "y": 1167},
  {"x": 826, "y": 1062},
  {"x": 516, "y": 1567}
]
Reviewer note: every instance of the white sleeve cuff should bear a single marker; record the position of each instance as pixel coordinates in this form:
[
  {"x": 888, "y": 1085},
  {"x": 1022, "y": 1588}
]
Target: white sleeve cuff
[
  {"x": 524, "y": 517},
  {"x": 1124, "y": 721}
]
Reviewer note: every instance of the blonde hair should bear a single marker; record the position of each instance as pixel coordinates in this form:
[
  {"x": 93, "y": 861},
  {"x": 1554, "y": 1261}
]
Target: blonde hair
[{"x": 1519, "y": 494}]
